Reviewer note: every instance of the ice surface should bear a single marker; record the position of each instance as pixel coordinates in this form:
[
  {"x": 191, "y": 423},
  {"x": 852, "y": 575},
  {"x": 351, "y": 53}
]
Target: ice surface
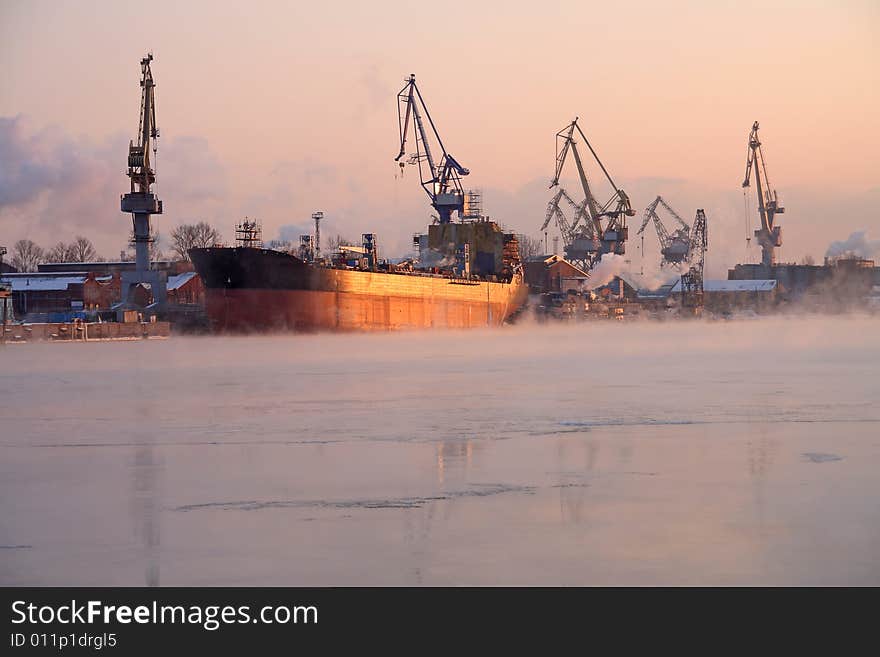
[{"x": 654, "y": 453}]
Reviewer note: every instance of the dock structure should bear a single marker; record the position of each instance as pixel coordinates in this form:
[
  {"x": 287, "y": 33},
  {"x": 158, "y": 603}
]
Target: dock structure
[{"x": 80, "y": 331}]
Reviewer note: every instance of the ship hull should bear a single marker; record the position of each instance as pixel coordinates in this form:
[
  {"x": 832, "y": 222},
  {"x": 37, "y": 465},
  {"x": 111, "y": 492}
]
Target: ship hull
[{"x": 257, "y": 290}]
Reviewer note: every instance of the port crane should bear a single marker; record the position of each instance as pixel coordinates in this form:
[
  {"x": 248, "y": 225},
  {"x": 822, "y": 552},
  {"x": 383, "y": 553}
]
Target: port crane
[
  {"x": 675, "y": 247},
  {"x": 591, "y": 238},
  {"x": 141, "y": 202},
  {"x": 769, "y": 235},
  {"x": 441, "y": 179},
  {"x": 567, "y": 229},
  {"x": 692, "y": 280}
]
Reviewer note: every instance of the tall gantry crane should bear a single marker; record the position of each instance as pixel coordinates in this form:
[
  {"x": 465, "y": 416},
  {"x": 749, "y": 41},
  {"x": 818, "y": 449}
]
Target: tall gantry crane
[
  {"x": 141, "y": 202},
  {"x": 441, "y": 179},
  {"x": 769, "y": 235},
  {"x": 692, "y": 281},
  {"x": 603, "y": 229},
  {"x": 675, "y": 247}
]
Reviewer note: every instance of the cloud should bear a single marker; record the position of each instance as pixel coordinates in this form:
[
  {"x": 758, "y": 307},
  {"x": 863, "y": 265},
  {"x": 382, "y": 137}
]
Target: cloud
[
  {"x": 37, "y": 164},
  {"x": 26, "y": 167},
  {"x": 54, "y": 186}
]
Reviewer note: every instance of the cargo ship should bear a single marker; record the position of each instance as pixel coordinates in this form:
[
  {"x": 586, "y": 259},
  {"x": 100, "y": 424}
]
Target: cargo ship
[{"x": 467, "y": 275}]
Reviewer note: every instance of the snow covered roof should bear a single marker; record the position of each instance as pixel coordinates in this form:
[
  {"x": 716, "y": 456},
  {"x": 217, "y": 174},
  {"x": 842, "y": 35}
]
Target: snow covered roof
[
  {"x": 546, "y": 259},
  {"x": 658, "y": 293},
  {"x": 756, "y": 285},
  {"x": 41, "y": 282},
  {"x": 549, "y": 260},
  {"x": 179, "y": 280}
]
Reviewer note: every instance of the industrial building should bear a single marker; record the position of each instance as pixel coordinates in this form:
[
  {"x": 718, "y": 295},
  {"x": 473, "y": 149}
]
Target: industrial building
[
  {"x": 617, "y": 289},
  {"x": 62, "y": 291},
  {"x": 836, "y": 283},
  {"x": 111, "y": 267},
  {"x": 721, "y": 296},
  {"x": 552, "y": 273}
]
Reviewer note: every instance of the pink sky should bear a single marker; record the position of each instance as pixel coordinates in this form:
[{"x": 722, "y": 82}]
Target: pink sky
[{"x": 277, "y": 109}]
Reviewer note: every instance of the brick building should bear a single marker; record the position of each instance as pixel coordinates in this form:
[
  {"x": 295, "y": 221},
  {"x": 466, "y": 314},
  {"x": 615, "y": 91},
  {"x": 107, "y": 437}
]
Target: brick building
[
  {"x": 59, "y": 288},
  {"x": 552, "y": 273},
  {"x": 186, "y": 289}
]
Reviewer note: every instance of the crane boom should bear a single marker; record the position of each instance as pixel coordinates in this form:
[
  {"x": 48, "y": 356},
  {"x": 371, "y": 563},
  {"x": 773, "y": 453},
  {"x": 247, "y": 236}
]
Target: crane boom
[
  {"x": 440, "y": 180},
  {"x": 650, "y": 212},
  {"x": 140, "y": 166},
  {"x": 681, "y": 221},
  {"x": 675, "y": 247},
  {"x": 412, "y": 110}
]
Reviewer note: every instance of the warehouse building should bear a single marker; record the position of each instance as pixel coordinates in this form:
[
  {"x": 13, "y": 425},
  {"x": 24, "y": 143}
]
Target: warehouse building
[{"x": 721, "y": 296}]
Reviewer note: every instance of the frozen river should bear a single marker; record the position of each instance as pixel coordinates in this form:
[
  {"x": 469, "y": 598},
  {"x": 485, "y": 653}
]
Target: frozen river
[{"x": 596, "y": 454}]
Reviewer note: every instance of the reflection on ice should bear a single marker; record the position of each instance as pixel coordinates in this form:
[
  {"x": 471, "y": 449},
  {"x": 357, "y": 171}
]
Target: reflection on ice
[{"x": 690, "y": 452}]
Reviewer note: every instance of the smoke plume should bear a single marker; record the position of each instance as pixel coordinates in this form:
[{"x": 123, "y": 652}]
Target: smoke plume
[{"x": 856, "y": 244}]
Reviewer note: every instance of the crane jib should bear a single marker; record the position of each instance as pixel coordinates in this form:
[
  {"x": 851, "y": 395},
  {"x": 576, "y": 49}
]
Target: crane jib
[{"x": 439, "y": 178}]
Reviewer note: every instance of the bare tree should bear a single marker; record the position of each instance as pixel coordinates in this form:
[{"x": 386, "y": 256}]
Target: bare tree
[
  {"x": 61, "y": 252},
  {"x": 155, "y": 250},
  {"x": 335, "y": 242},
  {"x": 83, "y": 250},
  {"x": 26, "y": 255},
  {"x": 191, "y": 236},
  {"x": 80, "y": 250},
  {"x": 529, "y": 246}
]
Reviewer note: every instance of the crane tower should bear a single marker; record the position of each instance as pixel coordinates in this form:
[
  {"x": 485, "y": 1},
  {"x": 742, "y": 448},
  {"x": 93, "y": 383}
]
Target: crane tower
[
  {"x": 769, "y": 235},
  {"x": 692, "y": 281},
  {"x": 141, "y": 202}
]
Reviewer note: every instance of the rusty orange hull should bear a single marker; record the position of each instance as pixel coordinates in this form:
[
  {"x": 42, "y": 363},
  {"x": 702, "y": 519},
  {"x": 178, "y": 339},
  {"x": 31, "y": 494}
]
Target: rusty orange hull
[
  {"x": 307, "y": 310},
  {"x": 259, "y": 291}
]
